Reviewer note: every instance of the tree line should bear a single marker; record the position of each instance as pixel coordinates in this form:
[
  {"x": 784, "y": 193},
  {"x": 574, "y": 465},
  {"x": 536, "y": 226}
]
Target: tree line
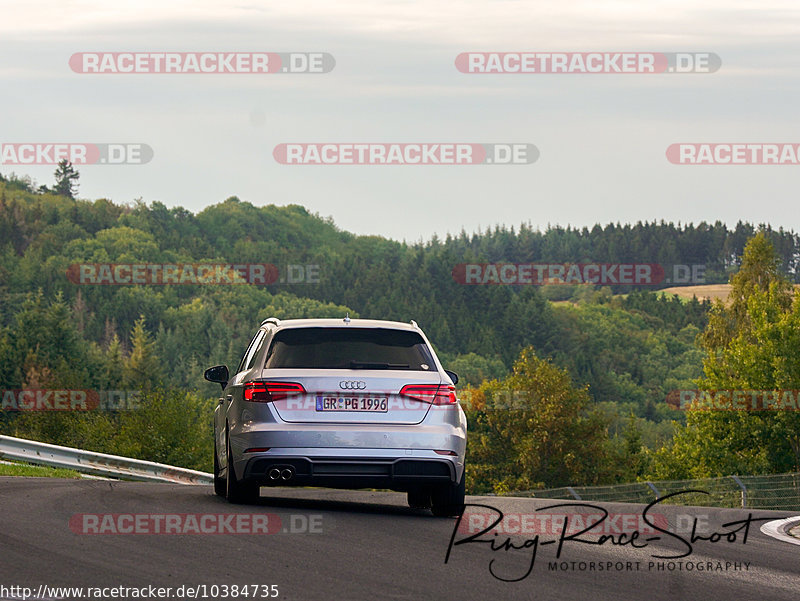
[{"x": 615, "y": 352}]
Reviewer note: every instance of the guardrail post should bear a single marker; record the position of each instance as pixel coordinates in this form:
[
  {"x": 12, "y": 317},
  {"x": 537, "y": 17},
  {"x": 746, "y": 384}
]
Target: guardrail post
[
  {"x": 744, "y": 490},
  {"x": 654, "y": 489}
]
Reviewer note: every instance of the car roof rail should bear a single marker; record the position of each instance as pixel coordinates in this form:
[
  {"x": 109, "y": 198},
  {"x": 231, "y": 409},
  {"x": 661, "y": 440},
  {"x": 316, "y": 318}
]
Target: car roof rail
[{"x": 272, "y": 320}]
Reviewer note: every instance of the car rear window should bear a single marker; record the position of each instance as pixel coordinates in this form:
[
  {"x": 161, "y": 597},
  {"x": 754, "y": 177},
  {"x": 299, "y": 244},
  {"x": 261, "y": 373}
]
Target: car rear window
[{"x": 346, "y": 348}]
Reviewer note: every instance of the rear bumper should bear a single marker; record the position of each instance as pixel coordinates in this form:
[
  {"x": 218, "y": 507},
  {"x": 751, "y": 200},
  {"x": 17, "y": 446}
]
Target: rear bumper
[
  {"x": 369, "y": 468},
  {"x": 396, "y": 457},
  {"x": 394, "y": 469}
]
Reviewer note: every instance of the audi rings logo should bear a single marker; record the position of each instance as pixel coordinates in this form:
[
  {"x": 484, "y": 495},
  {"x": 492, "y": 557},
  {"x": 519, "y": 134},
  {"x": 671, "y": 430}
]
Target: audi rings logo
[{"x": 352, "y": 385}]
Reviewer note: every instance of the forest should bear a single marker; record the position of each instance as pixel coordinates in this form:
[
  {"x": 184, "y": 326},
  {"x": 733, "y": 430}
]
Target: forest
[{"x": 589, "y": 368}]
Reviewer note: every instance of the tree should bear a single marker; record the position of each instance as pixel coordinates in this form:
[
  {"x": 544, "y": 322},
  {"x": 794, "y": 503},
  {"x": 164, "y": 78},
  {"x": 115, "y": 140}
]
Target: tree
[
  {"x": 114, "y": 360},
  {"x": 474, "y": 369},
  {"x": 66, "y": 179},
  {"x": 142, "y": 369},
  {"x": 534, "y": 429},
  {"x": 169, "y": 427},
  {"x": 43, "y": 336},
  {"x": 760, "y": 270},
  {"x": 753, "y": 343}
]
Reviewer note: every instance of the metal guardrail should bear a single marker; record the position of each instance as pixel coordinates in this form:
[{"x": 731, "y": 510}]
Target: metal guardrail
[
  {"x": 98, "y": 464},
  {"x": 772, "y": 491}
]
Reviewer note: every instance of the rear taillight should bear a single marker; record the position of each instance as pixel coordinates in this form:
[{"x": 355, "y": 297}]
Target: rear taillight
[
  {"x": 267, "y": 392},
  {"x": 435, "y": 394}
]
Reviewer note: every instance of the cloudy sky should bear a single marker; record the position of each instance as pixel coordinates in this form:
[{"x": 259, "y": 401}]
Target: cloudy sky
[{"x": 602, "y": 137}]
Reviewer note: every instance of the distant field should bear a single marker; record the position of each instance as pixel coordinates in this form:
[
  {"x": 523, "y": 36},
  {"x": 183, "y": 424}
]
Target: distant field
[{"x": 710, "y": 291}]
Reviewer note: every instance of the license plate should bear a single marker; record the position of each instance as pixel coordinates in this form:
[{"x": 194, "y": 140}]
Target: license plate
[{"x": 365, "y": 404}]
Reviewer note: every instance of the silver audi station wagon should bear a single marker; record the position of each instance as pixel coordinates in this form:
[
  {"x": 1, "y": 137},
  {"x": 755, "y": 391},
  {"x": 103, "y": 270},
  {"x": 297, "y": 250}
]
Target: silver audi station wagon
[{"x": 342, "y": 403}]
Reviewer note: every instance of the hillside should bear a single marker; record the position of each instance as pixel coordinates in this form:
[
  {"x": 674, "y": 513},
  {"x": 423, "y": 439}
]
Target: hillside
[{"x": 628, "y": 347}]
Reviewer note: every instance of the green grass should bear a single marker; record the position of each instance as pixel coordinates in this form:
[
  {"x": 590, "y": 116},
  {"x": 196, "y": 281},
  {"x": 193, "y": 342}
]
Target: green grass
[{"x": 24, "y": 469}]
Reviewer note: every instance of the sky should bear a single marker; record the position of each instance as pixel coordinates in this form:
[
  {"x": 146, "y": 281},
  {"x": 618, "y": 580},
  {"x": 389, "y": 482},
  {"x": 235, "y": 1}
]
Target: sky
[{"x": 602, "y": 137}]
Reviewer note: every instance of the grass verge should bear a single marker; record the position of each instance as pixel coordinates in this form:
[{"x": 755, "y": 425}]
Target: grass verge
[{"x": 25, "y": 469}]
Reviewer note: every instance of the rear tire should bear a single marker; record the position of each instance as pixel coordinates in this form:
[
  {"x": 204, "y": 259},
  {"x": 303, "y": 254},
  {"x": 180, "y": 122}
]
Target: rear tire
[
  {"x": 236, "y": 491},
  {"x": 419, "y": 499},
  {"x": 219, "y": 481},
  {"x": 448, "y": 500}
]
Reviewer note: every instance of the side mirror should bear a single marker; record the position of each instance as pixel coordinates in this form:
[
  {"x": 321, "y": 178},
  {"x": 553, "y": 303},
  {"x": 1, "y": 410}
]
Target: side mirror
[
  {"x": 453, "y": 375},
  {"x": 218, "y": 374}
]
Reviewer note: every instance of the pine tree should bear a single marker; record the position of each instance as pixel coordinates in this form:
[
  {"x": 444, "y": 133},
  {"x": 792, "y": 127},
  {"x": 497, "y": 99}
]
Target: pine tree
[
  {"x": 142, "y": 368},
  {"x": 66, "y": 179}
]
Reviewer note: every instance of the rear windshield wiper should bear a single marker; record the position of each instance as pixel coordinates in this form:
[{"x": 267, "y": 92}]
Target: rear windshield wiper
[{"x": 375, "y": 365}]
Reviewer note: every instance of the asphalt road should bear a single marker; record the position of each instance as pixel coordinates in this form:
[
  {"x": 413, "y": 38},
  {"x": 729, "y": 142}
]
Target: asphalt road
[{"x": 355, "y": 545}]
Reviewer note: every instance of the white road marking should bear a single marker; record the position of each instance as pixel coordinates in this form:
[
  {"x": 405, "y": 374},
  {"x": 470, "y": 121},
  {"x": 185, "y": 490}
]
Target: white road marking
[{"x": 779, "y": 529}]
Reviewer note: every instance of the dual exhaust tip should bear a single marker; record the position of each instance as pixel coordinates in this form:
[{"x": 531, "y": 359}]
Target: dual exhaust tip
[{"x": 278, "y": 473}]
